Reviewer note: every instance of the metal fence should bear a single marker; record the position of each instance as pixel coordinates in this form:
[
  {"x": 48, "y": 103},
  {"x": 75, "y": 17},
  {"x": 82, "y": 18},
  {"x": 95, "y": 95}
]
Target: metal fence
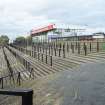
[{"x": 16, "y": 97}]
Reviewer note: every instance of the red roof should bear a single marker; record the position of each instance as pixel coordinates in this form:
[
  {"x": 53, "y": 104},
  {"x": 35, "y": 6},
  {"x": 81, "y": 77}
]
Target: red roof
[{"x": 43, "y": 29}]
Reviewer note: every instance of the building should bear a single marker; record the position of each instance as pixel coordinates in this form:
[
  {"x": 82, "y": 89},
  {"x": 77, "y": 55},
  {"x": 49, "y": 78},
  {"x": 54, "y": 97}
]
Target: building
[
  {"x": 99, "y": 36},
  {"x": 55, "y": 31},
  {"x": 65, "y": 32}
]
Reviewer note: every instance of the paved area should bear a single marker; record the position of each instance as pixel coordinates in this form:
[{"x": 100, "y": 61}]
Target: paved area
[{"x": 84, "y": 86}]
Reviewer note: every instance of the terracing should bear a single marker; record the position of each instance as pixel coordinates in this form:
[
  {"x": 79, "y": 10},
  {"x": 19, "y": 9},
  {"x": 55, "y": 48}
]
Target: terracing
[{"x": 36, "y": 73}]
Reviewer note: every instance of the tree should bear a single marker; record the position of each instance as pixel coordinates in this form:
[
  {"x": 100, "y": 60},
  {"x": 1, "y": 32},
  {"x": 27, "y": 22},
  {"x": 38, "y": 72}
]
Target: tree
[
  {"x": 29, "y": 40},
  {"x": 23, "y": 41},
  {"x": 20, "y": 40},
  {"x": 4, "y": 40}
]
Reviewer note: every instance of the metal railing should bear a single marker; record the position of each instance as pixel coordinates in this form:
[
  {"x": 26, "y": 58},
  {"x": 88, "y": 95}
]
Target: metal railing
[
  {"x": 26, "y": 94},
  {"x": 38, "y": 55},
  {"x": 63, "y": 48}
]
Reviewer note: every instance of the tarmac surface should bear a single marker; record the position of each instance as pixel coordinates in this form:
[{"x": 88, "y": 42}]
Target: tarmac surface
[{"x": 82, "y": 86}]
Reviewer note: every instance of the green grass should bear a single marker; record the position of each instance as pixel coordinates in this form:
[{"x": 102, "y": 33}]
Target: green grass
[{"x": 103, "y": 46}]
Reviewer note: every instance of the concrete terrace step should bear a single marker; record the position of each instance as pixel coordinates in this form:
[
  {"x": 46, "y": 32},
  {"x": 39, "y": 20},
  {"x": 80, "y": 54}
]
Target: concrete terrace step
[
  {"x": 15, "y": 65},
  {"x": 3, "y": 64},
  {"x": 40, "y": 63}
]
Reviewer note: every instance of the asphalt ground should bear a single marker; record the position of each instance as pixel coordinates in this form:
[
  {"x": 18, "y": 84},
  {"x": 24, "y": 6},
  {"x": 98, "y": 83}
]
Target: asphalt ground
[{"x": 81, "y": 86}]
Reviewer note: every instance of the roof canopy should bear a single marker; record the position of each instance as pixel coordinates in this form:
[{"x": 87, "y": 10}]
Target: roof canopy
[{"x": 43, "y": 29}]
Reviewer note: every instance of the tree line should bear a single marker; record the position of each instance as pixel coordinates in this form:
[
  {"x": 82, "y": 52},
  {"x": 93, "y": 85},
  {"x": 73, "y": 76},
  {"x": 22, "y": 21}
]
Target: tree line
[
  {"x": 4, "y": 40},
  {"x": 22, "y": 41}
]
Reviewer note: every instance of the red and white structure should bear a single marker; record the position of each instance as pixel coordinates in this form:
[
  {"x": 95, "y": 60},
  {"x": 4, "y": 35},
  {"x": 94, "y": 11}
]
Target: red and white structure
[
  {"x": 51, "y": 31},
  {"x": 35, "y": 32}
]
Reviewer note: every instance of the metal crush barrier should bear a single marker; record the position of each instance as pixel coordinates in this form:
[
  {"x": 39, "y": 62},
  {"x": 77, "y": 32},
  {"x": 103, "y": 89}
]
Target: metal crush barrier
[{"x": 26, "y": 94}]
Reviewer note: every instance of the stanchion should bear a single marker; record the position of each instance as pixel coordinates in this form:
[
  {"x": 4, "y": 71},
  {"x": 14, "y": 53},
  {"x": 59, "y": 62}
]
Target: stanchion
[
  {"x": 51, "y": 60},
  {"x": 1, "y": 82},
  {"x": 97, "y": 46},
  {"x": 55, "y": 52},
  {"x": 59, "y": 52},
  {"x": 78, "y": 48},
  {"x": 49, "y": 50},
  {"x": 42, "y": 57},
  {"x": 90, "y": 47},
  {"x": 85, "y": 49},
  {"x": 67, "y": 47},
  {"x": 46, "y": 59},
  {"x": 72, "y": 47},
  {"x": 19, "y": 79}
]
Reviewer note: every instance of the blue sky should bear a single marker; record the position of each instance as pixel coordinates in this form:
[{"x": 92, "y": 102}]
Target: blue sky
[{"x": 18, "y": 17}]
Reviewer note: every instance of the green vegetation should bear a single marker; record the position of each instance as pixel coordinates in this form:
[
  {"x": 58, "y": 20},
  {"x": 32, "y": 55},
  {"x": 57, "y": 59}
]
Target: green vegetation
[
  {"x": 103, "y": 46},
  {"x": 29, "y": 40},
  {"x": 23, "y": 41},
  {"x": 20, "y": 40},
  {"x": 4, "y": 40}
]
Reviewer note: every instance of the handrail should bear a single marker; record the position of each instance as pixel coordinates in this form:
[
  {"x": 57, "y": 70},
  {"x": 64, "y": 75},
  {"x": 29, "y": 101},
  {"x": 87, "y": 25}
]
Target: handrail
[
  {"x": 27, "y": 94},
  {"x": 46, "y": 55}
]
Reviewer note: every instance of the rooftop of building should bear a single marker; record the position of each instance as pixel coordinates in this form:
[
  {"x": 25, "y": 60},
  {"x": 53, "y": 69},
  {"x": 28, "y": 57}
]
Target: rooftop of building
[{"x": 86, "y": 29}]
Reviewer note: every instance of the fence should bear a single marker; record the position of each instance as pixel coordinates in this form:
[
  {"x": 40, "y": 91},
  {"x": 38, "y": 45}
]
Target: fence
[
  {"x": 63, "y": 48},
  {"x": 15, "y": 78},
  {"x": 26, "y": 94},
  {"x": 35, "y": 54}
]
